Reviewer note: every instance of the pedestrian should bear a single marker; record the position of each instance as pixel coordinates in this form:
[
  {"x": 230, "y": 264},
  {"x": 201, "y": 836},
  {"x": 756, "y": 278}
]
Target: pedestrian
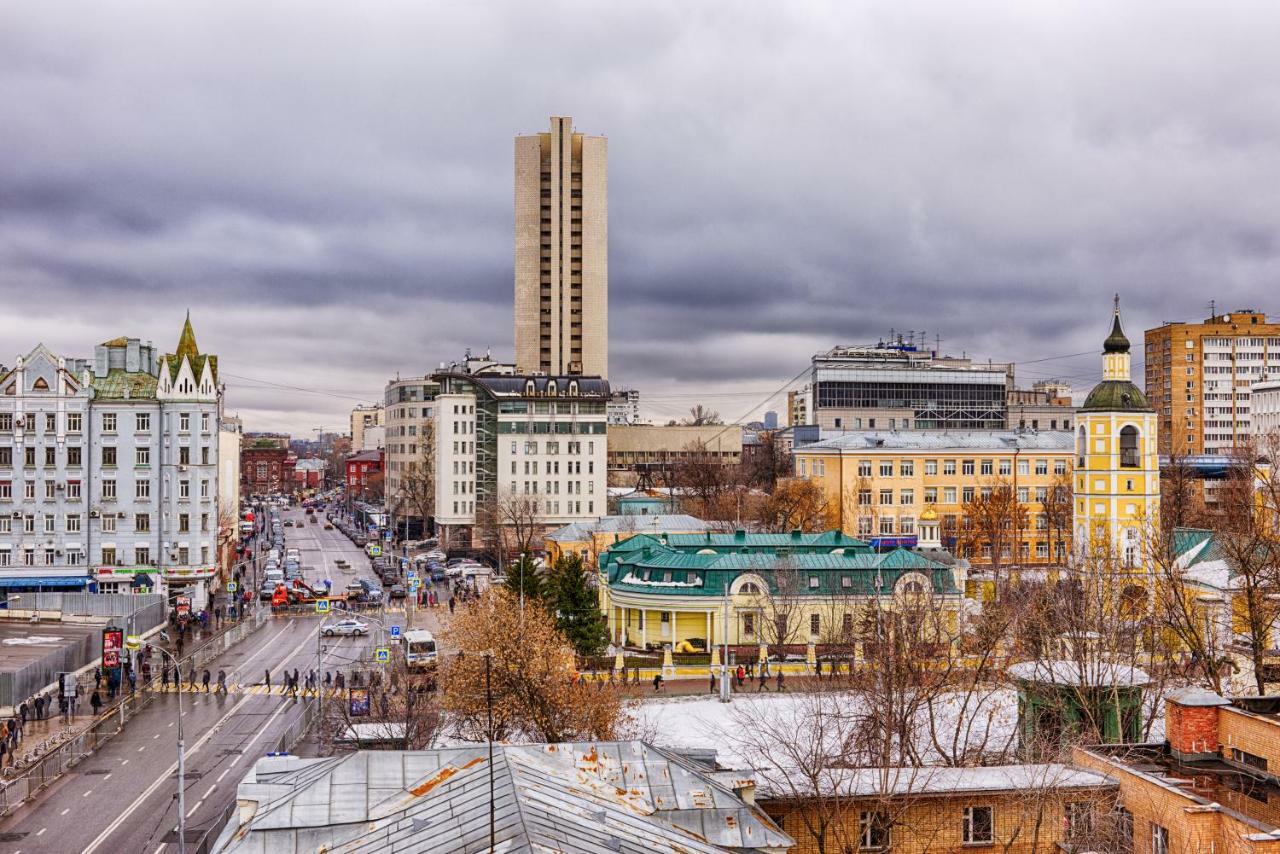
[
  {"x": 817, "y": 669},
  {"x": 713, "y": 682},
  {"x": 204, "y": 680},
  {"x": 382, "y": 703},
  {"x": 266, "y": 680},
  {"x": 780, "y": 680},
  {"x": 657, "y": 682},
  {"x": 328, "y": 679},
  {"x": 339, "y": 681},
  {"x": 22, "y": 711},
  {"x": 295, "y": 679},
  {"x": 191, "y": 683},
  {"x": 742, "y": 676},
  {"x": 452, "y": 604},
  {"x": 40, "y": 707},
  {"x": 133, "y": 680},
  {"x": 96, "y": 702},
  {"x": 764, "y": 682},
  {"x": 222, "y": 681}
]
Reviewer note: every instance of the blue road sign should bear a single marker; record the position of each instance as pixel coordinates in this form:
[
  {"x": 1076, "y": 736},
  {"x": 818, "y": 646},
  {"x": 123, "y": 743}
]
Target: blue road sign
[
  {"x": 383, "y": 655},
  {"x": 395, "y": 631},
  {"x": 232, "y": 587},
  {"x": 322, "y": 606}
]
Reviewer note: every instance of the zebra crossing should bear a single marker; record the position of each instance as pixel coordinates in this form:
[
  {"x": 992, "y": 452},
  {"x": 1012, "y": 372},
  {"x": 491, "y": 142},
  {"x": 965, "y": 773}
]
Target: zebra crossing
[{"x": 253, "y": 689}]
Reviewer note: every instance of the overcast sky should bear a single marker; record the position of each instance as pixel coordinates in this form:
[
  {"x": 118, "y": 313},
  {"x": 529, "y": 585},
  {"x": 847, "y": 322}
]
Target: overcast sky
[{"x": 328, "y": 186}]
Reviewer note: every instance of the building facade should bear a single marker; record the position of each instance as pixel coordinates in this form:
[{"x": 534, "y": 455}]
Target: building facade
[
  {"x": 532, "y": 440},
  {"x": 230, "y": 437},
  {"x": 1199, "y": 379},
  {"x": 643, "y": 448},
  {"x": 624, "y": 406},
  {"x": 1117, "y": 471},
  {"x": 362, "y": 418},
  {"x": 1045, "y": 406},
  {"x": 364, "y": 472},
  {"x": 898, "y": 386},
  {"x": 120, "y": 466},
  {"x": 879, "y": 485},
  {"x": 562, "y": 252},
  {"x": 1265, "y": 409},
  {"x": 266, "y": 468},
  {"x": 409, "y": 410}
]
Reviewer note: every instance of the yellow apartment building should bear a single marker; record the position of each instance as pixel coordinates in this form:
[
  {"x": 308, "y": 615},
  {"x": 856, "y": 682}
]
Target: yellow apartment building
[{"x": 879, "y": 485}]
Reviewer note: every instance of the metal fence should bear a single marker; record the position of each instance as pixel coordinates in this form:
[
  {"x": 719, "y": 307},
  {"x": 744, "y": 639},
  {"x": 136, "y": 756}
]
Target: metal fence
[
  {"x": 137, "y": 614},
  {"x": 52, "y": 757}
]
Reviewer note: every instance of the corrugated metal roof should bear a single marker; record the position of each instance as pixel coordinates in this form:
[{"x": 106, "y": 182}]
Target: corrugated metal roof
[{"x": 590, "y": 797}]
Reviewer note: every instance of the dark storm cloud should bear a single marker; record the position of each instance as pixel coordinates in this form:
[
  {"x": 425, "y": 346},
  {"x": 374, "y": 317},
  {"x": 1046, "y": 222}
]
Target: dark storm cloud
[{"x": 328, "y": 185}]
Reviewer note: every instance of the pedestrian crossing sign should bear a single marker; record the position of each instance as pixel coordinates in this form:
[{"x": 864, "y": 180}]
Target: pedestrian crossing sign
[
  {"x": 383, "y": 655},
  {"x": 322, "y": 606},
  {"x": 232, "y": 587},
  {"x": 415, "y": 583},
  {"x": 395, "y": 631}
]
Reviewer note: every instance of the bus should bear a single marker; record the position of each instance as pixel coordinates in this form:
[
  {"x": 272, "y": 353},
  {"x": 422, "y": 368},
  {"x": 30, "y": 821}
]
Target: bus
[{"x": 419, "y": 649}]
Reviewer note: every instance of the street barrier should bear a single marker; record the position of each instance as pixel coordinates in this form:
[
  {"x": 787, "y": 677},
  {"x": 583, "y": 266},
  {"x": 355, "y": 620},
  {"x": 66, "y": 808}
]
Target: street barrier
[{"x": 68, "y": 748}]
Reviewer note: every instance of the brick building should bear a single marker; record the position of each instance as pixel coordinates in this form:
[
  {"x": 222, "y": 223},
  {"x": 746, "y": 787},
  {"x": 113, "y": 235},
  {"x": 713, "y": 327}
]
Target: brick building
[
  {"x": 266, "y": 470},
  {"x": 364, "y": 474}
]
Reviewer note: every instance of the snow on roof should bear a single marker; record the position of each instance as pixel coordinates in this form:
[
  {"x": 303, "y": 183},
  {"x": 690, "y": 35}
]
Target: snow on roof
[
  {"x": 1095, "y": 674},
  {"x": 1194, "y": 696},
  {"x": 937, "y": 779}
]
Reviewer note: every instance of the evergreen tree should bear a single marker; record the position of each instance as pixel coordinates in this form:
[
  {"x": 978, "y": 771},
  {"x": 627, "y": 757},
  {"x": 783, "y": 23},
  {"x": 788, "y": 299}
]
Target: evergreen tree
[
  {"x": 523, "y": 574},
  {"x": 571, "y": 597}
]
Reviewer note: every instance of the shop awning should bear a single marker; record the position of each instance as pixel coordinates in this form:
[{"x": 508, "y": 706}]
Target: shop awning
[{"x": 42, "y": 581}]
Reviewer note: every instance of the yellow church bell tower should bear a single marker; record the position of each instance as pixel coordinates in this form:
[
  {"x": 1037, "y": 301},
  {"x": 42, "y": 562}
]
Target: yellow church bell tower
[{"x": 1117, "y": 476}]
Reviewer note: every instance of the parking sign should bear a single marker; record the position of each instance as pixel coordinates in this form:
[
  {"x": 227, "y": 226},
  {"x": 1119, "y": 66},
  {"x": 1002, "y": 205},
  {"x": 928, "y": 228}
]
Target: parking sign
[
  {"x": 395, "y": 631},
  {"x": 322, "y": 606},
  {"x": 383, "y": 655}
]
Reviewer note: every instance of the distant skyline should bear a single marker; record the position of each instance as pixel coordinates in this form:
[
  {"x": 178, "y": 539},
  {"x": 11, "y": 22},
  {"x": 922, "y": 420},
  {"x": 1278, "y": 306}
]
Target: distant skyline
[{"x": 328, "y": 186}]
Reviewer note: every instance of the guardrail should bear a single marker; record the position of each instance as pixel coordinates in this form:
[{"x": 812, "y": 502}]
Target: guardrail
[{"x": 67, "y": 748}]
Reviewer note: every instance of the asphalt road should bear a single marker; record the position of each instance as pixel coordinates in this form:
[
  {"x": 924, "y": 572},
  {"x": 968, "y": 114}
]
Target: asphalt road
[{"x": 123, "y": 798}]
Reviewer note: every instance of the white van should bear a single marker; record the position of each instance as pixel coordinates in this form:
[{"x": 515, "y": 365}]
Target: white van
[{"x": 274, "y": 576}]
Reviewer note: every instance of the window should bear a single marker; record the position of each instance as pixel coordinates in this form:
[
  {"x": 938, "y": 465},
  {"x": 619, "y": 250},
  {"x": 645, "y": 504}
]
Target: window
[
  {"x": 1042, "y": 466},
  {"x": 864, "y": 497},
  {"x": 886, "y": 496},
  {"x": 873, "y": 831},
  {"x": 1006, "y": 468},
  {"x": 73, "y": 456},
  {"x": 75, "y": 422},
  {"x": 907, "y": 468},
  {"x": 50, "y": 422},
  {"x": 109, "y": 555},
  {"x": 931, "y": 495},
  {"x": 50, "y": 488},
  {"x": 184, "y": 422},
  {"x": 142, "y": 456},
  {"x": 1059, "y": 466},
  {"x": 6, "y": 457},
  {"x": 886, "y": 468},
  {"x": 184, "y": 556},
  {"x": 109, "y": 523},
  {"x": 1079, "y": 821},
  {"x": 204, "y": 422},
  {"x": 108, "y": 422},
  {"x": 184, "y": 524},
  {"x": 73, "y": 523},
  {"x": 813, "y": 582},
  {"x": 204, "y": 522},
  {"x": 864, "y": 468},
  {"x": 51, "y": 456},
  {"x": 966, "y": 493},
  {"x": 73, "y": 489},
  {"x": 979, "y": 826},
  {"x": 50, "y": 523},
  {"x": 930, "y": 467},
  {"x": 29, "y": 456},
  {"x": 749, "y": 624},
  {"x": 1159, "y": 839},
  {"x": 907, "y": 496},
  {"x": 29, "y": 489},
  {"x": 142, "y": 422},
  {"x": 6, "y": 421},
  {"x": 142, "y": 523},
  {"x": 142, "y": 490},
  {"x": 948, "y": 495},
  {"x": 1129, "y": 447},
  {"x": 184, "y": 456},
  {"x": 142, "y": 555},
  {"x": 1024, "y": 466},
  {"x": 184, "y": 489},
  {"x": 815, "y": 624},
  {"x": 108, "y": 490},
  {"x": 1249, "y": 760},
  {"x": 6, "y": 557},
  {"x": 1024, "y": 494},
  {"x": 29, "y": 525},
  {"x": 987, "y": 467},
  {"x": 966, "y": 467},
  {"x": 6, "y": 492},
  {"x": 109, "y": 456}
]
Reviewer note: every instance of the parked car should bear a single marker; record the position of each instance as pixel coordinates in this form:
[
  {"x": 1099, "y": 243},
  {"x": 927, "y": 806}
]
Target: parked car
[
  {"x": 349, "y": 626},
  {"x": 397, "y": 591},
  {"x": 328, "y": 526}
]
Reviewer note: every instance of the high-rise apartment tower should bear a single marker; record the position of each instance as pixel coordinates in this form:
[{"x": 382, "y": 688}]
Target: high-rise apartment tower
[{"x": 562, "y": 252}]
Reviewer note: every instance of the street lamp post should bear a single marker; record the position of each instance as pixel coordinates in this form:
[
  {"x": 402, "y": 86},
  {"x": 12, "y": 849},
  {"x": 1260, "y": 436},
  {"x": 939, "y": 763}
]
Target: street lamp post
[{"x": 133, "y": 643}]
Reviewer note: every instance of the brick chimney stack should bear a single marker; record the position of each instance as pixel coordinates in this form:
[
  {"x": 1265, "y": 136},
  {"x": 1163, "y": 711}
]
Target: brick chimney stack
[{"x": 1191, "y": 723}]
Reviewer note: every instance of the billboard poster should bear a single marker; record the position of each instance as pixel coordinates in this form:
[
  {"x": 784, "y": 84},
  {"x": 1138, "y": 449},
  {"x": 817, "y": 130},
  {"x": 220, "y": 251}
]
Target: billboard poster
[
  {"x": 183, "y": 604},
  {"x": 359, "y": 700},
  {"x": 112, "y": 644}
]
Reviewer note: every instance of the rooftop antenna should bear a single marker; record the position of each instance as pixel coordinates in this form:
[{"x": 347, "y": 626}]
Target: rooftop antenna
[{"x": 1213, "y": 311}]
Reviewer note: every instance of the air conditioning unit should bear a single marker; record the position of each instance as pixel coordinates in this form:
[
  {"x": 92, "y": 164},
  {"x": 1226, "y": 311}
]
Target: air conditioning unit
[
  {"x": 60, "y": 487},
  {"x": 182, "y": 468},
  {"x": 17, "y": 514},
  {"x": 122, "y": 515},
  {"x": 58, "y": 552},
  {"x": 93, "y": 514}
]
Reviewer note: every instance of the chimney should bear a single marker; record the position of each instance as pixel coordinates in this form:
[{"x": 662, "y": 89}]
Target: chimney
[{"x": 1191, "y": 723}]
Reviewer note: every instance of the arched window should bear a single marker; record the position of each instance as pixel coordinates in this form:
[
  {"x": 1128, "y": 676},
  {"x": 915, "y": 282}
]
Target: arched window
[
  {"x": 749, "y": 587},
  {"x": 551, "y": 389},
  {"x": 40, "y": 384},
  {"x": 1129, "y": 447},
  {"x": 1082, "y": 440}
]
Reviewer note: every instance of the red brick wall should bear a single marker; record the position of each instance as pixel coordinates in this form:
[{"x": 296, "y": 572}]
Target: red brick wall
[{"x": 1191, "y": 729}]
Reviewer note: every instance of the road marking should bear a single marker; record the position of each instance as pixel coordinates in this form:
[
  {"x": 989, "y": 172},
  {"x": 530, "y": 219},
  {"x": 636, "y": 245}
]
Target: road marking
[
  {"x": 159, "y": 781},
  {"x": 210, "y": 792},
  {"x": 162, "y": 847},
  {"x": 41, "y": 831},
  {"x": 142, "y": 748},
  {"x": 87, "y": 794},
  {"x": 157, "y": 735},
  {"x": 224, "y": 773},
  {"x": 170, "y": 723},
  {"x": 192, "y": 811},
  {"x": 263, "y": 649},
  {"x": 64, "y": 812},
  {"x": 124, "y": 762},
  {"x": 106, "y": 778}
]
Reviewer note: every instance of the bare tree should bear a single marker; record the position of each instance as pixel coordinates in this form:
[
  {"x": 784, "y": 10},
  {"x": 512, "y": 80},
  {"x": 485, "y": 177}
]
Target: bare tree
[
  {"x": 795, "y": 504},
  {"x": 403, "y": 712},
  {"x": 711, "y": 487},
  {"x": 993, "y": 522},
  {"x": 507, "y": 525},
  {"x": 767, "y": 462},
  {"x": 416, "y": 490},
  {"x": 1059, "y": 515},
  {"x": 700, "y": 416}
]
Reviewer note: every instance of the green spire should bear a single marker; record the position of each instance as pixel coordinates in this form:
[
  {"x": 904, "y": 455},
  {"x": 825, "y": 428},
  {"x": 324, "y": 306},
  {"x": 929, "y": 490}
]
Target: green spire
[
  {"x": 187, "y": 342},
  {"x": 1116, "y": 342}
]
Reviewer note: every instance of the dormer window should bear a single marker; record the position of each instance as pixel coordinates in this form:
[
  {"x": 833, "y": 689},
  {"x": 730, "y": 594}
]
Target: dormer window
[
  {"x": 530, "y": 388},
  {"x": 573, "y": 388},
  {"x": 551, "y": 389}
]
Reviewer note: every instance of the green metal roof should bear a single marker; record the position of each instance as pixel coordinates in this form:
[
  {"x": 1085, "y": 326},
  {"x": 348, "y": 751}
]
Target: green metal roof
[
  {"x": 140, "y": 385},
  {"x": 642, "y": 564},
  {"x": 1116, "y": 396}
]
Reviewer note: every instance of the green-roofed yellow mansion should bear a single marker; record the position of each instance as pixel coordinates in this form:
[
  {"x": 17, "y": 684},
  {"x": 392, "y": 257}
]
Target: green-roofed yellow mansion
[
  {"x": 662, "y": 589},
  {"x": 109, "y": 470}
]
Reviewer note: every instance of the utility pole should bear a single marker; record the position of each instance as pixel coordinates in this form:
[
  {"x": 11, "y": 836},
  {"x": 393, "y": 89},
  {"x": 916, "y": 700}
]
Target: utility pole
[{"x": 488, "y": 700}]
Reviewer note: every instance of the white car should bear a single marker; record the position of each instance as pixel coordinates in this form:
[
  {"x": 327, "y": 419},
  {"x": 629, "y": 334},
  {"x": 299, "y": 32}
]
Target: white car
[
  {"x": 293, "y": 554},
  {"x": 351, "y": 627}
]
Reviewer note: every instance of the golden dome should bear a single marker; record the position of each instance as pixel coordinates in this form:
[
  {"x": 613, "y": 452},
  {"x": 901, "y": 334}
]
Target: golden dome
[{"x": 929, "y": 515}]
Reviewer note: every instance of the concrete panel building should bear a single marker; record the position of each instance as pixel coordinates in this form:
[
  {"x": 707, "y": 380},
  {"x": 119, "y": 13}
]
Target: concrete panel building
[
  {"x": 562, "y": 252},
  {"x": 363, "y": 418}
]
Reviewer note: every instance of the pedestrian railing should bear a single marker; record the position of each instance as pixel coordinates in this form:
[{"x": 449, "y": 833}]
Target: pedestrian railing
[{"x": 69, "y": 747}]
